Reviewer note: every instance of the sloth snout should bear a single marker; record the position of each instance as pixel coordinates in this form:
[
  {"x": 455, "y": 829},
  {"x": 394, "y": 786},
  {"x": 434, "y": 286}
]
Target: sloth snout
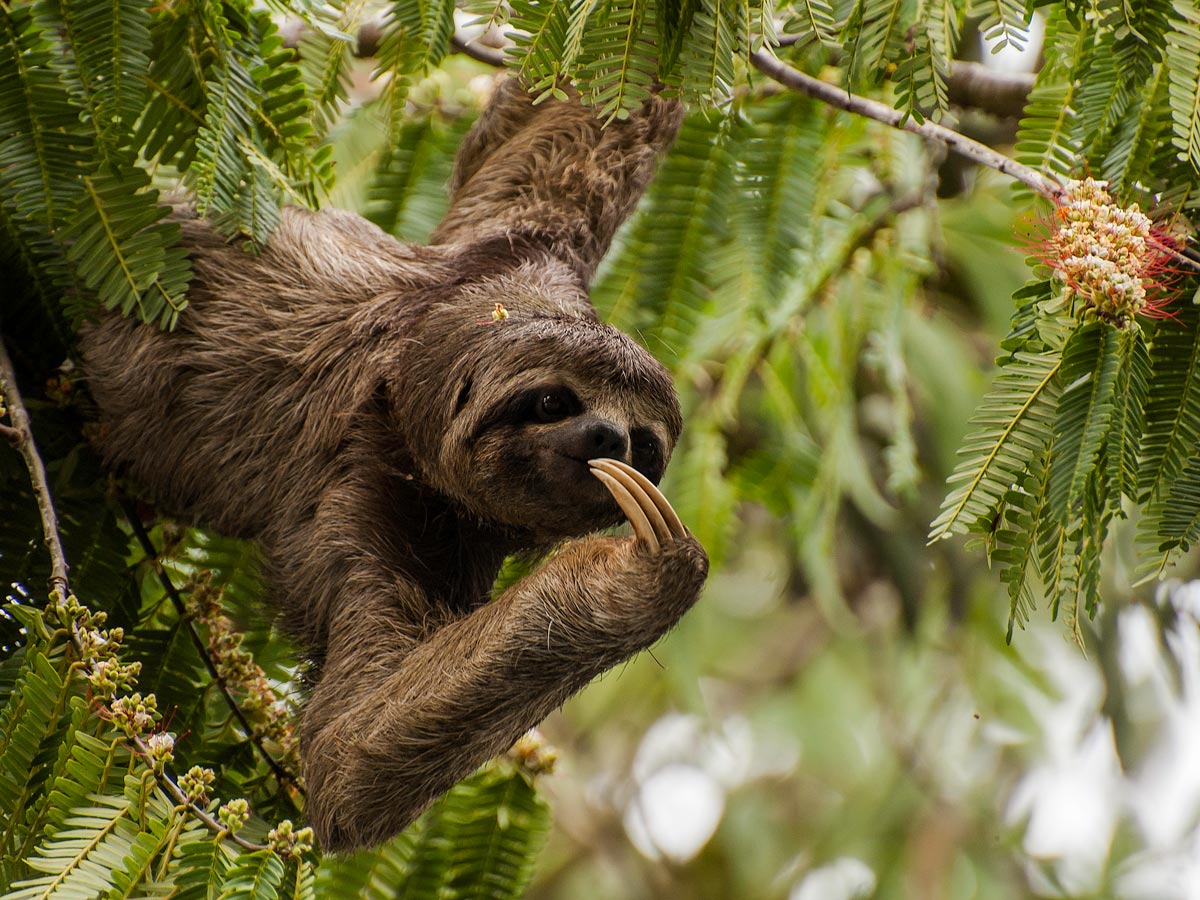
[
  {"x": 588, "y": 437},
  {"x": 604, "y": 439}
]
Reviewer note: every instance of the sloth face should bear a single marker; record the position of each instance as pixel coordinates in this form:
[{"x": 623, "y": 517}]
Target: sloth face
[{"x": 527, "y": 420}]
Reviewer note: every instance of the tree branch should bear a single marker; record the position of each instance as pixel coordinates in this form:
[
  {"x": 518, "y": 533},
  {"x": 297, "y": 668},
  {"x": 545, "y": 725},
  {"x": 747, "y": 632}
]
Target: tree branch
[
  {"x": 477, "y": 51},
  {"x": 21, "y": 435},
  {"x": 1000, "y": 93},
  {"x": 23, "y": 429},
  {"x": 839, "y": 98}
]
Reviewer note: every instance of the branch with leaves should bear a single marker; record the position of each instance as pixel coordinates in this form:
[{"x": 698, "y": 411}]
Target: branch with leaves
[
  {"x": 94, "y": 648},
  {"x": 206, "y": 653}
]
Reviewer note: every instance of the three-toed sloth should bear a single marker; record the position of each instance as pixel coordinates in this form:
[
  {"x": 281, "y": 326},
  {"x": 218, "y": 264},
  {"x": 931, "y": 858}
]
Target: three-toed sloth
[{"x": 366, "y": 411}]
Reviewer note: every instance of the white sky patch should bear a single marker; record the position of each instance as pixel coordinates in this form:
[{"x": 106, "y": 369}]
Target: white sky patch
[
  {"x": 1009, "y": 58},
  {"x": 682, "y": 772},
  {"x": 846, "y": 878},
  {"x": 675, "y": 812},
  {"x": 1076, "y": 795},
  {"x": 1165, "y": 795}
]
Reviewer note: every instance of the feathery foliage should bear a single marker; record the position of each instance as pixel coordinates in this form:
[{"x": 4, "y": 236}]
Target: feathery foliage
[{"x": 812, "y": 280}]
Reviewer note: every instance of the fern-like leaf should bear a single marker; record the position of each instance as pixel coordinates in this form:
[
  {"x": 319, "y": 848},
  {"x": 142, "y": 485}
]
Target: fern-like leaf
[
  {"x": 540, "y": 38},
  {"x": 39, "y": 137},
  {"x": 921, "y": 80},
  {"x": 709, "y": 47},
  {"x": 777, "y": 184},
  {"x": 124, "y": 252},
  {"x": 1177, "y": 525},
  {"x": 1141, "y": 135},
  {"x": 201, "y": 866},
  {"x": 1005, "y": 22},
  {"x": 1091, "y": 362},
  {"x": 658, "y": 283},
  {"x": 1173, "y": 411},
  {"x": 110, "y": 47},
  {"x": 86, "y": 857},
  {"x": 1183, "y": 63},
  {"x": 219, "y": 175},
  {"x": 815, "y": 19},
  {"x": 621, "y": 62},
  {"x": 33, "y": 720},
  {"x": 324, "y": 58},
  {"x": 299, "y": 881},
  {"x": 1015, "y": 547},
  {"x": 1128, "y": 416},
  {"x": 254, "y": 876},
  {"x": 408, "y": 196},
  {"x": 494, "y": 827},
  {"x": 1047, "y": 138},
  {"x": 1014, "y": 424}
]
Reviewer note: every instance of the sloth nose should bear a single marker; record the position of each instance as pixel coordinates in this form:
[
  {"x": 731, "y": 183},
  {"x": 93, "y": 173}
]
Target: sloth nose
[{"x": 606, "y": 439}]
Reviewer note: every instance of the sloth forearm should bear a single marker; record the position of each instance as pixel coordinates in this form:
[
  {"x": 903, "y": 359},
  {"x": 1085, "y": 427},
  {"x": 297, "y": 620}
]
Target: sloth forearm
[{"x": 474, "y": 686}]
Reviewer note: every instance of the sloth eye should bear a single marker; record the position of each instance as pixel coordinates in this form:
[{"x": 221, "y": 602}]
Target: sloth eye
[{"x": 553, "y": 405}]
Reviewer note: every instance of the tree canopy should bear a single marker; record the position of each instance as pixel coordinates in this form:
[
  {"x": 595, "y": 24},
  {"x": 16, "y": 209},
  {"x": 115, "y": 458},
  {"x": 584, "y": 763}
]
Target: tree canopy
[{"x": 866, "y": 220}]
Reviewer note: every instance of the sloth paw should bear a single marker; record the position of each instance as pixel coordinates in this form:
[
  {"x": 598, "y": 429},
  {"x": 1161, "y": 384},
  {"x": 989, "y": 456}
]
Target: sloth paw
[
  {"x": 668, "y": 564},
  {"x": 654, "y": 521}
]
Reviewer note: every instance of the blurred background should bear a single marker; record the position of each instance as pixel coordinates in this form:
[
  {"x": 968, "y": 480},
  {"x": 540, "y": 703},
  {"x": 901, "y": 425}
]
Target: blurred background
[{"x": 842, "y": 715}]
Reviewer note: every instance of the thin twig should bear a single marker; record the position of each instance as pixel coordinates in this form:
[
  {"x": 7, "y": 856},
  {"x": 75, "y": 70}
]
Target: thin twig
[
  {"x": 21, "y": 424},
  {"x": 37, "y": 471},
  {"x": 281, "y": 772},
  {"x": 840, "y": 98},
  {"x": 10, "y": 435}
]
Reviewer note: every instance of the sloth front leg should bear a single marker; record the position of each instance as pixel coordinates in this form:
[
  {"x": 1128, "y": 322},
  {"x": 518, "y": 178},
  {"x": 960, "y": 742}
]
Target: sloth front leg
[{"x": 470, "y": 690}]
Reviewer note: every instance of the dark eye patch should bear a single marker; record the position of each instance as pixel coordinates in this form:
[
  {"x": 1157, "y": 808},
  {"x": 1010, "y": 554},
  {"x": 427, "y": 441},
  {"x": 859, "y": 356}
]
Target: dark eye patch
[
  {"x": 647, "y": 453},
  {"x": 523, "y": 407},
  {"x": 554, "y": 404}
]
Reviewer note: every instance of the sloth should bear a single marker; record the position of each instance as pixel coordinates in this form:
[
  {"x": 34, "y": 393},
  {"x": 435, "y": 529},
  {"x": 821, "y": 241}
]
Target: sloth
[{"x": 391, "y": 421}]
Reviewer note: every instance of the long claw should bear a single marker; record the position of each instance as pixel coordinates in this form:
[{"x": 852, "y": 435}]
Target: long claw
[
  {"x": 637, "y": 488},
  {"x": 675, "y": 528},
  {"x": 642, "y": 528}
]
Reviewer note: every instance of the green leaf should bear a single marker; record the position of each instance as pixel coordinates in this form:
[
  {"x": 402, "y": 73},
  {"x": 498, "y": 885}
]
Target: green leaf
[
  {"x": 619, "y": 64},
  {"x": 32, "y": 723},
  {"x": 254, "y": 876},
  {"x": 1005, "y": 22},
  {"x": 1015, "y": 547},
  {"x": 1047, "y": 138},
  {"x": 1128, "y": 416},
  {"x": 201, "y": 867},
  {"x": 658, "y": 285},
  {"x": 1183, "y": 64},
  {"x": 1091, "y": 361},
  {"x": 1014, "y": 423},
  {"x": 1173, "y": 411},
  {"x": 110, "y": 46},
  {"x": 122, "y": 249}
]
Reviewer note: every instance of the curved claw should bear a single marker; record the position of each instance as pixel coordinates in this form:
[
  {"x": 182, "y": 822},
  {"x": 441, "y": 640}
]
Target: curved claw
[
  {"x": 642, "y": 529},
  {"x": 668, "y": 517},
  {"x": 654, "y": 521}
]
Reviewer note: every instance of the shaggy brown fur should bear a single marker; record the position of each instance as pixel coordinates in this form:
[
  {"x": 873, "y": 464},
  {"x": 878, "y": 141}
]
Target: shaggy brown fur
[{"x": 349, "y": 402}]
